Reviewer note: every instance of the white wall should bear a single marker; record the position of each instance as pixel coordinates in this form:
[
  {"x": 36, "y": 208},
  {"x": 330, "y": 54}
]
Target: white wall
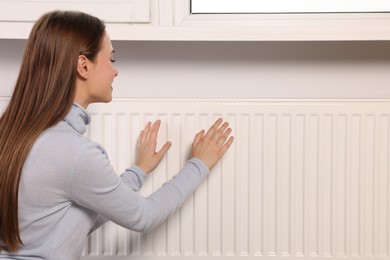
[{"x": 238, "y": 69}]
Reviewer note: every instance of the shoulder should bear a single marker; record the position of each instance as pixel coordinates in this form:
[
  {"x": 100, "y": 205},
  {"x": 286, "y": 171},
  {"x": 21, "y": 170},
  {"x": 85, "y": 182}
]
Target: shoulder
[
  {"x": 55, "y": 155},
  {"x": 62, "y": 144}
]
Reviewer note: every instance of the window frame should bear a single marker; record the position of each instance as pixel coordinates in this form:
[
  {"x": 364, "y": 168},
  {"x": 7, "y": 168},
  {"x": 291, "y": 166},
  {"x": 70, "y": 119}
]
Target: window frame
[
  {"x": 283, "y": 27},
  {"x": 285, "y": 7}
]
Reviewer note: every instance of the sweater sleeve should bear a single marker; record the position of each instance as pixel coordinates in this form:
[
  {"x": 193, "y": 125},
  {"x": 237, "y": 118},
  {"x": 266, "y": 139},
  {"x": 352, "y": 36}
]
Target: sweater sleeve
[
  {"x": 95, "y": 185},
  {"x": 134, "y": 177}
]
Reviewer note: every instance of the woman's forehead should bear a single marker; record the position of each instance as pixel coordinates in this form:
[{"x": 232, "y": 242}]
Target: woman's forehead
[{"x": 107, "y": 45}]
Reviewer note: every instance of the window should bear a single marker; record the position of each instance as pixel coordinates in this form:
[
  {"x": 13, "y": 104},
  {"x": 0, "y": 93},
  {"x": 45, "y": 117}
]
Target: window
[{"x": 288, "y": 6}]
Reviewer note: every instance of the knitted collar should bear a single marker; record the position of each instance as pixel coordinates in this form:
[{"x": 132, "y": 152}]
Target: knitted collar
[{"x": 78, "y": 118}]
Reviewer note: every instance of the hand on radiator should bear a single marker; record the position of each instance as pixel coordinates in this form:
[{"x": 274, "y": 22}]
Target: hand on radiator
[
  {"x": 147, "y": 157},
  {"x": 210, "y": 147}
]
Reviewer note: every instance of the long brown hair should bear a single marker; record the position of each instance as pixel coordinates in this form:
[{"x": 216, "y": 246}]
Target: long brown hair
[{"x": 43, "y": 95}]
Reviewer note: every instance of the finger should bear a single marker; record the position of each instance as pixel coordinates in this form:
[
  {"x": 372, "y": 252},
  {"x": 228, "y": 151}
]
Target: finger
[
  {"x": 146, "y": 134},
  {"x": 147, "y": 126},
  {"x": 226, "y": 146},
  {"x": 154, "y": 129},
  {"x": 213, "y": 128},
  {"x": 222, "y": 139},
  {"x": 198, "y": 137},
  {"x": 142, "y": 135},
  {"x": 153, "y": 133},
  {"x": 220, "y": 131},
  {"x": 140, "y": 138}
]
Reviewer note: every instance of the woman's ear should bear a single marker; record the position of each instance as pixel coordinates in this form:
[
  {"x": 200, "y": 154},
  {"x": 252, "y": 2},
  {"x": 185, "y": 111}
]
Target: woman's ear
[{"x": 83, "y": 66}]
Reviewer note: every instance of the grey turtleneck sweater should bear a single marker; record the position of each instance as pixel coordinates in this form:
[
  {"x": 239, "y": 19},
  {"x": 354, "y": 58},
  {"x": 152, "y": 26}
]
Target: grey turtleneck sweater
[{"x": 68, "y": 188}]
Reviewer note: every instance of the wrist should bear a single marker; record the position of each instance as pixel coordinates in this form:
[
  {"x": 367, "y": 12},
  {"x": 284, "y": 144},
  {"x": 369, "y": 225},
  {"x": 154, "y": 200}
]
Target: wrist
[
  {"x": 200, "y": 162},
  {"x": 142, "y": 168}
]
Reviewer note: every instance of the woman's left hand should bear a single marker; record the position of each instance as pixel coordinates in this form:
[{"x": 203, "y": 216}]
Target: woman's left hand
[{"x": 147, "y": 157}]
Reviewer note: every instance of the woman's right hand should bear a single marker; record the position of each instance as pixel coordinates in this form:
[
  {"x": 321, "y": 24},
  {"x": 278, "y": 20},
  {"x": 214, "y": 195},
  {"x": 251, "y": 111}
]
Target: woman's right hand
[{"x": 212, "y": 145}]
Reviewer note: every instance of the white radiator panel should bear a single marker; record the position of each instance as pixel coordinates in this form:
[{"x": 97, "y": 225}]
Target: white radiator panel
[{"x": 303, "y": 179}]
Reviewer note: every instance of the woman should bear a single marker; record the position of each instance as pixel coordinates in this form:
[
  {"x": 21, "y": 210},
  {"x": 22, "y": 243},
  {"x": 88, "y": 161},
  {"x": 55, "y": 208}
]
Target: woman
[{"x": 57, "y": 186}]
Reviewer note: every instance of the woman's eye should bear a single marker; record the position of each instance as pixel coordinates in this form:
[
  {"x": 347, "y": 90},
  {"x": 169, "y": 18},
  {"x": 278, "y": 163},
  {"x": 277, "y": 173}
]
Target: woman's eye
[{"x": 113, "y": 60}]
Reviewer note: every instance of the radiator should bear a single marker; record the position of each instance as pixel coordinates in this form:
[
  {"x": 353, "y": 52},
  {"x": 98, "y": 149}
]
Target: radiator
[{"x": 304, "y": 179}]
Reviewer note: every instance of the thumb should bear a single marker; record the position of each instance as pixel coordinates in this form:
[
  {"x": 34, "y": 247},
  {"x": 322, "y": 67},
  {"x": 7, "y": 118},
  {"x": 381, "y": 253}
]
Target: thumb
[{"x": 164, "y": 150}]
